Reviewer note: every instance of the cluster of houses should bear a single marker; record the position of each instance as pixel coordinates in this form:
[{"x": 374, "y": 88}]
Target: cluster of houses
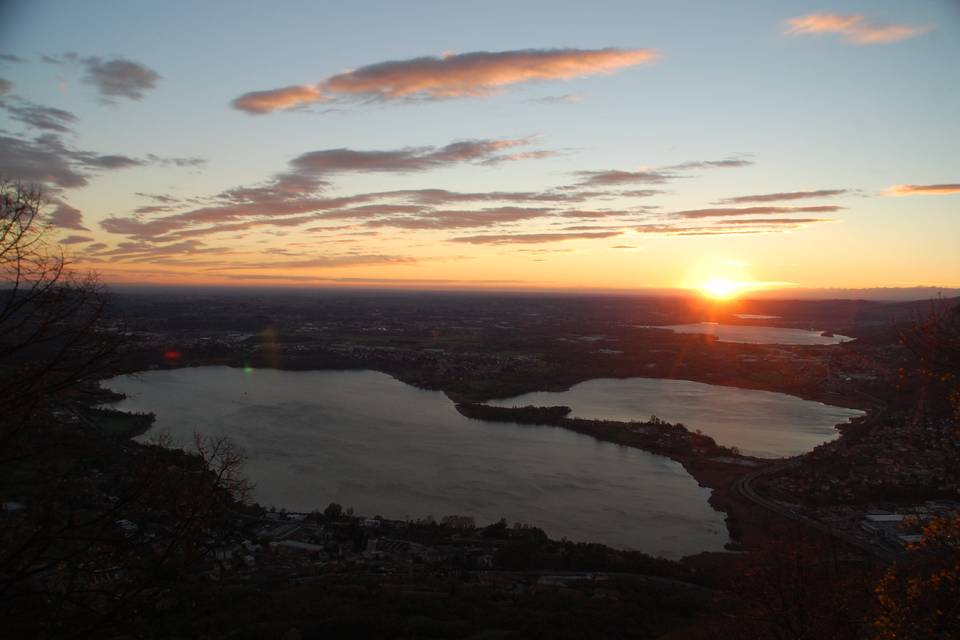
[
  {"x": 880, "y": 485},
  {"x": 310, "y": 544}
]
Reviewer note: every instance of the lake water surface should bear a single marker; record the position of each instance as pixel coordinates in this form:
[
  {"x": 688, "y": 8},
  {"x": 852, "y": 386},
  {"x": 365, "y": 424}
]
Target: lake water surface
[
  {"x": 751, "y": 334},
  {"x": 368, "y": 441},
  {"x": 760, "y": 423}
]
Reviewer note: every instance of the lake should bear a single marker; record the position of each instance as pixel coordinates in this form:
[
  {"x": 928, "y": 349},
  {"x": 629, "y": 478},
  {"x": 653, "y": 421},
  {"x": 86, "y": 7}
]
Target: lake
[
  {"x": 751, "y": 334},
  {"x": 368, "y": 441},
  {"x": 761, "y": 423}
]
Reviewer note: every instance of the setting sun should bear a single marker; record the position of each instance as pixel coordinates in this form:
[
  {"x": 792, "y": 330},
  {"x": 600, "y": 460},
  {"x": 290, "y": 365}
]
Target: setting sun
[{"x": 720, "y": 288}]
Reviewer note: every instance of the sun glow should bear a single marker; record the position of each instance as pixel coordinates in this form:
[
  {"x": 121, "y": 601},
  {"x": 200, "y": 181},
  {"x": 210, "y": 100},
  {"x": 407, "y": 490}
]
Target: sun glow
[{"x": 720, "y": 288}]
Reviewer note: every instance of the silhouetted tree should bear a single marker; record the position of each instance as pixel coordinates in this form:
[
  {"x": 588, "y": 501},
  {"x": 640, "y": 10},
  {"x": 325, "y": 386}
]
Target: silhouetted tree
[
  {"x": 934, "y": 373},
  {"x": 51, "y": 333},
  {"x": 92, "y": 528},
  {"x": 919, "y": 598},
  {"x": 795, "y": 587},
  {"x": 333, "y": 511}
]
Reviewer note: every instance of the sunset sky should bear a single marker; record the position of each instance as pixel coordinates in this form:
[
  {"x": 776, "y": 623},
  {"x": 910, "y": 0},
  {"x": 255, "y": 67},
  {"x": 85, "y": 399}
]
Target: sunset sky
[{"x": 583, "y": 145}]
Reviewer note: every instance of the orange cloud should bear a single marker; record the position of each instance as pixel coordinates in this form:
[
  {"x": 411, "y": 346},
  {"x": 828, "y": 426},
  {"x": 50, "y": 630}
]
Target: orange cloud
[
  {"x": 922, "y": 189},
  {"x": 734, "y": 226},
  {"x": 776, "y": 221},
  {"x": 749, "y": 211},
  {"x": 260, "y": 102},
  {"x": 533, "y": 238},
  {"x": 853, "y": 28},
  {"x": 476, "y": 74},
  {"x": 456, "y": 219}
]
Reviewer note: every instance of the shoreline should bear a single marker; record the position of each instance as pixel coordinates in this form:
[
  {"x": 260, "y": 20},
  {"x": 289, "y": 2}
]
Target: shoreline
[
  {"x": 858, "y": 402},
  {"x": 718, "y": 468},
  {"x": 714, "y": 466}
]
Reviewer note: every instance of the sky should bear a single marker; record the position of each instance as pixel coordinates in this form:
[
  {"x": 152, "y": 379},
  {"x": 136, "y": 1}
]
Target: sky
[{"x": 529, "y": 145}]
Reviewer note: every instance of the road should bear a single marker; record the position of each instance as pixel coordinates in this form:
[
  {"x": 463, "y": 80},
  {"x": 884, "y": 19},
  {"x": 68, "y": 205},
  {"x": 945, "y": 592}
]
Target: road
[{"x": 744, "y": 486}]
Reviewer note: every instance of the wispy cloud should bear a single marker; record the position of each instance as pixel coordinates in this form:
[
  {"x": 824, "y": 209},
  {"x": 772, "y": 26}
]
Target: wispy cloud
[
  {"x": 567, "y": 98},
  {"x": 373, "y": 210},
  {"x": 297, "y": 190},
  {"x": 749, "y": 211},
  {"x": 533, "y": 238},
  {"x": 443, "y": 196},
  {"x": 617, "y": 177},
  {"x": 734, "y": 226},
  {"x": 113, "y": 77},
  {"x": 38, "y": 116},
  {"x": 260, "y": 102},
  {"x": 922, "y": 189},
  {"x": 854, "y": 29},
  {"x": 119, "y": 78},
  {"x": 263, "y": 210},
  {"x": 405, "y": 160},
  {"x": 296, "y": 198},
  {"x": 141, "y": 251},
  {"x": 50, "y": 161},
  {"x": 371, "y": 281},
  {"x": 66, "y": 217},
  {"x": 159, "y": 197},
  {"x": 656, "y": 175},
  {"x": 783, "y": 195},
  {"x": 42, "y": 160},
  {"x": 475, "y": 74},
  {"x": 639, "y": 193},
  {"x": 461, "y": 219},
  {"x": 190, "y": 162},
  {"x": 312, "y": 262},
  {"x": 592, "y": 213},
  {"x": 670, "y": 230},
  {"x": 776, "y": 221},
  {"x": 590, "y": 227},
  {"x": 76, "y": 240},
  {"x": 734, "y": 162}
]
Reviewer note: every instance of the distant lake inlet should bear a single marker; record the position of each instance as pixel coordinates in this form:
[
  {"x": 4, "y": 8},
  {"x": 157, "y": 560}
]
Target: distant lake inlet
[{"x": 751, "y": 334}]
